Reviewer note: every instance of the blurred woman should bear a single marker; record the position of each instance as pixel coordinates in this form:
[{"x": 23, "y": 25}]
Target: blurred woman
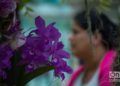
[{"x": 96, "y": 48}]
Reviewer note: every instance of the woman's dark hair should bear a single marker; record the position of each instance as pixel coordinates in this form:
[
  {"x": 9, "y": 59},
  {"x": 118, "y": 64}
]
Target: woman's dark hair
[
  {"x": 101, "y": 23},
  {"x": 109, "y": 31}
]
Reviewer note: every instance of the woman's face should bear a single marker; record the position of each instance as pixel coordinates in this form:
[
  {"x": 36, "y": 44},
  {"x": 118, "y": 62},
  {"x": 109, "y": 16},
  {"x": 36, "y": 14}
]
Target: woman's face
[{"x": 80, "y": 41}]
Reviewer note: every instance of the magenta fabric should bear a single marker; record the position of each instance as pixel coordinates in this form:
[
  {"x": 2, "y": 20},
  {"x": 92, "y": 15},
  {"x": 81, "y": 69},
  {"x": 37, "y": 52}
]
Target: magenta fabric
[{"x": 104, "y": 68}]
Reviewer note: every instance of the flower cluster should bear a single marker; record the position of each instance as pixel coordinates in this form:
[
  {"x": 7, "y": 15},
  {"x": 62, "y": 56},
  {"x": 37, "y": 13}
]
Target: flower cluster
[
  {"x": 22, "y": 57},
  {"x": 43, "y": 48},
  {"x": 5, "y": 55},
  {"x": 6, "y": 52},
  {"x": 7, "y": 7}
]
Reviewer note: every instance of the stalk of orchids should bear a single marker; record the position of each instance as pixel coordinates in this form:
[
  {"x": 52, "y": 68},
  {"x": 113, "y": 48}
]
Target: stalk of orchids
[{"x": 23, "y": 58}]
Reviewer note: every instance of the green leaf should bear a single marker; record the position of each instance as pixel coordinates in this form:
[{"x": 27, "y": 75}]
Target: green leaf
[
  {"x": 105, "y": 4},
  {"x": 37, "y": 72},
  {"x": 104, "y": 8},
  {"x": 20, "y": 6},
  {"x": 25, "y": 1},
  {"x": 29, "y": 9}
]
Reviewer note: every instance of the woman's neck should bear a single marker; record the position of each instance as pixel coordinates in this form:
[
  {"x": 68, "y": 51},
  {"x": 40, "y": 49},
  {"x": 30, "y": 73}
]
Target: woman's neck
[
  {"x": 92, "y": 63},
  {"x": 94, "y": 59}
]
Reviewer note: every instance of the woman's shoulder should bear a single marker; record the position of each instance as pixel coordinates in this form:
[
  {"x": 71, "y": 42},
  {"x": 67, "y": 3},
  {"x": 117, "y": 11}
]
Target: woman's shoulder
[
  {"x": 75, "y": 75},
  {"x": 105, "y": 68}
]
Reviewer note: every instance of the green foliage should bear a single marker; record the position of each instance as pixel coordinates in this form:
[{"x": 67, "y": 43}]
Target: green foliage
[
  {"x": 25, "y": 1},
  {"x": 105, "y": 4},
  {"x": 36, "y": 73},
  {"x": 22, "y": 5}
]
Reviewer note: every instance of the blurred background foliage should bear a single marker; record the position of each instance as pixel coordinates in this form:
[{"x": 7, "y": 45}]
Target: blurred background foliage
[{"x": 61, "y": 12}]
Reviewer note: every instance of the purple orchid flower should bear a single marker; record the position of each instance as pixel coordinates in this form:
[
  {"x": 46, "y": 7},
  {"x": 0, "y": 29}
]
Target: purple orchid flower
[
  {"x": 58, "y": 54},
  {"x": 5, "y": 55},
  {"x": 42, "y": 48},
  {"x": 7, "y": 7}
]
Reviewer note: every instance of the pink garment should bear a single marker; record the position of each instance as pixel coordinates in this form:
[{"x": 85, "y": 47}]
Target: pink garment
[{"x": 104, "y": 68}]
